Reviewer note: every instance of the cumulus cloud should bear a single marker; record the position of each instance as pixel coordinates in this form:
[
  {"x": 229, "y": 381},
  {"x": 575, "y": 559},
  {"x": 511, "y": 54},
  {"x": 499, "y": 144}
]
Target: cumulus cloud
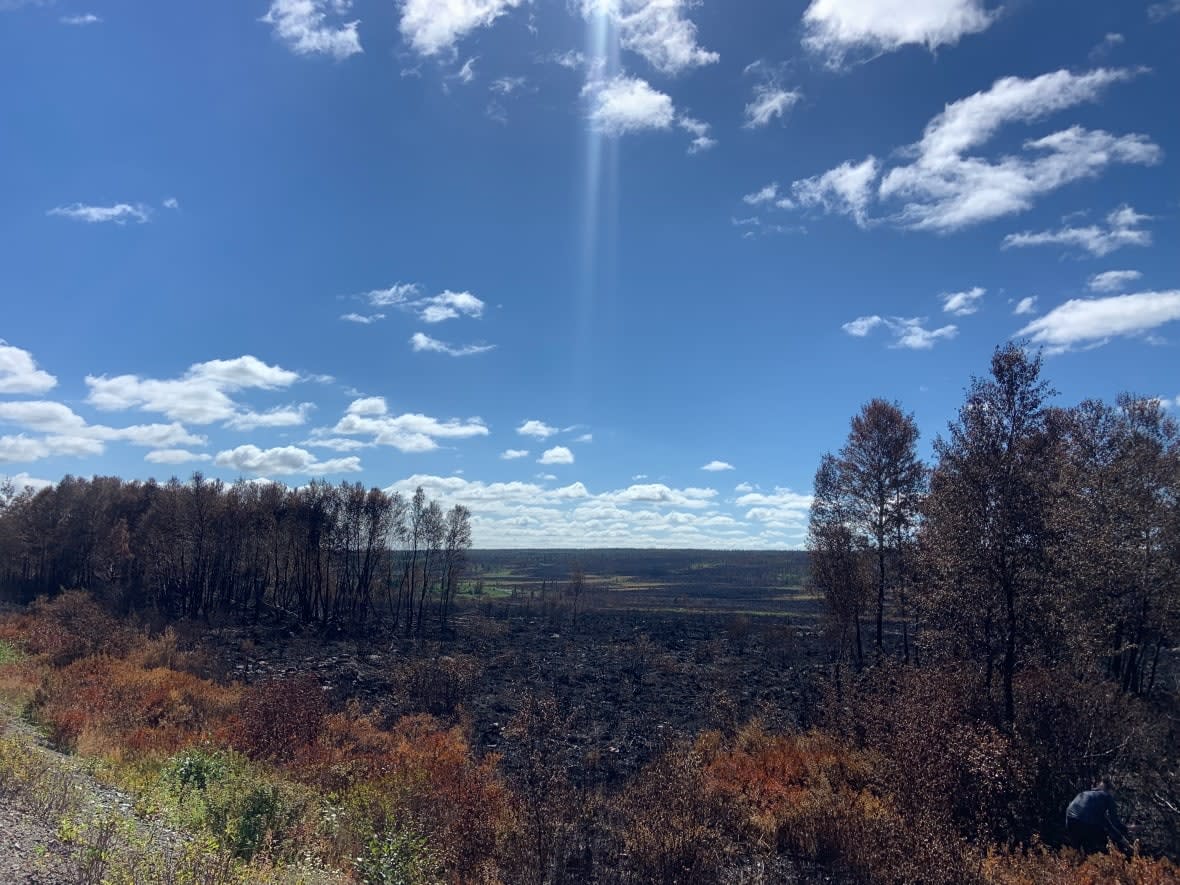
[
  {"x": 948, "y": 185},
  {"x": 88, "y": 18},
  {"x": 68, "y": 433},
  {"x": 119, "y": 213},
  {"x": 434, "y": 27},
  {"x": 280, "y": 416},
  {"x": 1026, "y": 306},
  {"x": 363, "y": 319},
  {"x": 528, "y": 514},
  {"x": 411, "y": 432},
  {"x": 1112, "y": 280},
  {"x": 1124, "y": 227},
  {"x": 282, "y": 461},
  {"x": 715, "y": 466},
  {"x": 422, "y": 342},
  {"x": 398, "y": 293},
  {"x": 762, "y": 196},
  {"x": 538, "y": 429},
  {"x": 909, "y": 333},
  {"x": 840, "y": 29},
  {"x": 962, "y": 304},
  {"x": 1091, "y": 322},
  {"x": 312, "y": 27},
  {"x": 556, "y": 455},
  {"x": 514, "y": 454},
  {"x": 655, "y": 29},
  {"x": 783, "y": 507},
  {"x": 22, "y": 481},
  {"x": 200, "y": 396},
  {"x": 19, "y": 372},
  {"x": 449, "y": 305},
  {"x": 846, "y": 190},
  {"x": 625, "y": 104}
]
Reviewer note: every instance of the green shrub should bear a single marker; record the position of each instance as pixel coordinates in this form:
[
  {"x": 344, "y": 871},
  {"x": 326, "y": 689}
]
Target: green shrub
[{"x": 400, "y": 857}]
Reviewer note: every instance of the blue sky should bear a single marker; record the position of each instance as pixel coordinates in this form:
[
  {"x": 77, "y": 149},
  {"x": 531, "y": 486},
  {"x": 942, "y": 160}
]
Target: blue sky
[{"x": 612, "y": 273}]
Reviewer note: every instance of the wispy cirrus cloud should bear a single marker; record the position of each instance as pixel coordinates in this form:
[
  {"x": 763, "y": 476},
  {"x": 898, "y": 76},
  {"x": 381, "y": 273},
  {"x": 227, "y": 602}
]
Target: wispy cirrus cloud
[
  {"x": 1124, "y": 227},
  {"x": 119, "y": 213},
  {"x": 1112, "y": 280},
  {"x": 949, "y": 185},
  {"x": 423, "y": 343}
]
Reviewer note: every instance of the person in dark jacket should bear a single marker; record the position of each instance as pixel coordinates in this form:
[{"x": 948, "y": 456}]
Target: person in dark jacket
[{"x": 1092, "y": 818}]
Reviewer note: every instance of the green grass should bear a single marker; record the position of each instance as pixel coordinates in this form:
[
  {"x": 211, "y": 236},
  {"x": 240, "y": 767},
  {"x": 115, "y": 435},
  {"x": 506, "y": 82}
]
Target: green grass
[{"x": 9, "y": 653}]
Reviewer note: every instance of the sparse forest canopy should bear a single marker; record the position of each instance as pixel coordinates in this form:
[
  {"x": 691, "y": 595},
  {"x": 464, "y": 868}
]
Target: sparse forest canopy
[{"x": 332, "y": 555}]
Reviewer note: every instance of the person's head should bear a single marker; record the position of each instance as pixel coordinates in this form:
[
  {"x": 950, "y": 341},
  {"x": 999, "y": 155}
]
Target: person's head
[{"x": 1105, "y": 784}]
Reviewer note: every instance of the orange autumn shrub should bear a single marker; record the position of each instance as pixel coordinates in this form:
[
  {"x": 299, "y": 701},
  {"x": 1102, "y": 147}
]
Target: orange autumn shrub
[
  {"x": 116, "y": 707},
  {"x": 1039, "y": 866},
  {"x": 426, "y": 774},
  {"x": 65, "y": 628},
  {"x": 277, "y": 720}
]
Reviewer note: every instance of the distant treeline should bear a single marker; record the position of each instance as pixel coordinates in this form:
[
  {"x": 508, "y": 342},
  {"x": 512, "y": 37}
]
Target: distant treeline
[{"x": 332, "y": 555}]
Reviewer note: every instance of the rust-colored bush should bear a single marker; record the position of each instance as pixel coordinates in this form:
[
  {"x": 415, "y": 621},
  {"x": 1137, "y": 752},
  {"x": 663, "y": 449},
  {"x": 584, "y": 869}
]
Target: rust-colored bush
[
  {"x": 65, "y": 628},
  {"x": 117, "y": 707},
  {"x": 276, "y": 720}
]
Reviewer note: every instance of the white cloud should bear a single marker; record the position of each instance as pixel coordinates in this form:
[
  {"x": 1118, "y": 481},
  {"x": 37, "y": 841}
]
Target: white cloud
[
  {"x": 1123, "y": 228},
  {"x": 770, "y": 101},
  {"x": 280, "y": 416},
  {"x": 411, "y": 432},
  {"x": 627, "y": 104},
  {"x": 846, "y": 189},
  {"x": 171, "y": 203},
  {"x": 120, "y": 213},
  {"x": 585, "y": 438},
  {"x": 1026, "y": 306},
  {"x": 1106, "y": 46},
  {"x": 398, "y": 293},
  {"x": 656, "y": 30},
  {"x": 556, "y": 455},
  {"x": 449, "y": 305},
  {"x": 532, "y": 515},
  {"x": 508, "y": 85},
  {"x": 175, "y": 456},
  {"x": 837, "y": 29},
  {"x": 363, "y": 319},
  {"x": 200, "y": 396},
  {"x": 311, "y": 27},
  {"x": 962, "y": 304},
  {"x": 1157, "y": 12},
  {"x": 782, "y": 506},
  {"x": 422, "y": 342},
  {"x": 946, "y": 187},
  {"x": 466, "y": 74},
  {"x": 909, "y": 333},
  {"x": 715, "y": 466},
  {"x": 19, "y": 372},
  {"x": 282, "y": 461},
  {"x": 1093, "y": 321},
  {"x": 701, "y": 140},
  {"x": 767, "y": 194},
  {"x": 433, "y": 27},
  {"x": 23, "y": 481},
  {"x": 23, "y": 448},
  {"x": 1112, "y": 280},
  {"x": 861, "y": 326},
  {"x": 514, "y": 454},
  {"x": 88, "y": 18},
  {"x": 538, "y": 429},
  {"x": 743, "y": 487},
  {"x": 69, "y": 433}
]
